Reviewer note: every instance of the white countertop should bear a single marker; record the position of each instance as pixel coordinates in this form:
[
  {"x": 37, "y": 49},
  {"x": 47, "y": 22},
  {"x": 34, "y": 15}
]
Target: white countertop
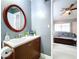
[{"x": 19, "y": 41}]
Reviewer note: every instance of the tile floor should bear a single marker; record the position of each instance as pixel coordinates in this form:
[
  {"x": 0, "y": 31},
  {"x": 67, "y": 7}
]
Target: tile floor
[{"x": 61, "y": 51}]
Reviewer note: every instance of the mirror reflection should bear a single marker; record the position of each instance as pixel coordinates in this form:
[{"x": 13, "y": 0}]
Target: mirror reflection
[{"x": 15, "y": 18}]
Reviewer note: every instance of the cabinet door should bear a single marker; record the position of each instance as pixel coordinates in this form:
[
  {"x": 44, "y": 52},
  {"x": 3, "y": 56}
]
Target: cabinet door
[
  {"x": 30, "y": 50},
  {"x": 35, "y": 47}
]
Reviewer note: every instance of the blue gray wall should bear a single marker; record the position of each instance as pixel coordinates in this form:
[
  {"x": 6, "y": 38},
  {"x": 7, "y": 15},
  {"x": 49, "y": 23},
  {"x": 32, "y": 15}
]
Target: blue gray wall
[
  {"x": 41, "y": 21},
  {"x": 38, "y": 16},
  {"x": 26, "y": 6}
]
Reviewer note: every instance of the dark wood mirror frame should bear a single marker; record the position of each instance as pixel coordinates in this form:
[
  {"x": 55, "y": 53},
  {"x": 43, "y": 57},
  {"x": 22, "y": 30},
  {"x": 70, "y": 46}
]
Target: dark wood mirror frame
[{"x": 5, "y": 18}]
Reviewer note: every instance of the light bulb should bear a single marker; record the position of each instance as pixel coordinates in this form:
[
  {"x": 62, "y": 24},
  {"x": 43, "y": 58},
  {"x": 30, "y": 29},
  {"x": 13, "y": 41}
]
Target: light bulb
[{"x": 68, "y": 11}]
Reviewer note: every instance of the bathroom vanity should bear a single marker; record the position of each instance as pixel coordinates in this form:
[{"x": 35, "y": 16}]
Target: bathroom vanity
[
  {"x": 24, "y": 48},
  {"x": 27, "y": 47}
]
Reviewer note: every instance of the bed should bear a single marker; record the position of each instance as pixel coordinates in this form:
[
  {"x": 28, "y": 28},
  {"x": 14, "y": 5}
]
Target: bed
[{"x": 67, "y": 38}]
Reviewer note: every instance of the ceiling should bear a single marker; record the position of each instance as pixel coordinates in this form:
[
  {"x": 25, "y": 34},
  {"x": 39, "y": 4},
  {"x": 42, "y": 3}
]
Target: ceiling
[
  {"x": 13, "y": 10},
  {"x": 58, "y": 5}
]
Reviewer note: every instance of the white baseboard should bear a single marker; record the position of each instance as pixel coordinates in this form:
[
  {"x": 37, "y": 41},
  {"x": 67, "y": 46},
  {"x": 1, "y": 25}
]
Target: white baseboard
[{"x": 44, "y": 56}]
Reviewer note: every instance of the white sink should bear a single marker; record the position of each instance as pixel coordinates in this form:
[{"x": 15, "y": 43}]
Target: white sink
[{"x": 19, "y": 41}]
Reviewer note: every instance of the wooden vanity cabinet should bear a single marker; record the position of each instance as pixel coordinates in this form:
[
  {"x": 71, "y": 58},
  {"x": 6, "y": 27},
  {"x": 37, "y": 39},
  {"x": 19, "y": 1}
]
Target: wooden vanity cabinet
[{"x": 30, "y": 50}]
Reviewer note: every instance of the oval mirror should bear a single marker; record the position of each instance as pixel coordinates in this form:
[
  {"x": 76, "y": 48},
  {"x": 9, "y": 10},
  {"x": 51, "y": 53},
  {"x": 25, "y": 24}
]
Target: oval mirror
[{"x": 14, "y": 18}]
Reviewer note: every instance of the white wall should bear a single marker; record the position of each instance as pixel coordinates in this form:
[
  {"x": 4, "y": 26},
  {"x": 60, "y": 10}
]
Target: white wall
[{"x": 74, "y": 27}]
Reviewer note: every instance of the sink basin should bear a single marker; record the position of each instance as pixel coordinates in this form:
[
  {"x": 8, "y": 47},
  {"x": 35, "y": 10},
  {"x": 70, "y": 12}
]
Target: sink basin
[{"x": 19, "y": 41}]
